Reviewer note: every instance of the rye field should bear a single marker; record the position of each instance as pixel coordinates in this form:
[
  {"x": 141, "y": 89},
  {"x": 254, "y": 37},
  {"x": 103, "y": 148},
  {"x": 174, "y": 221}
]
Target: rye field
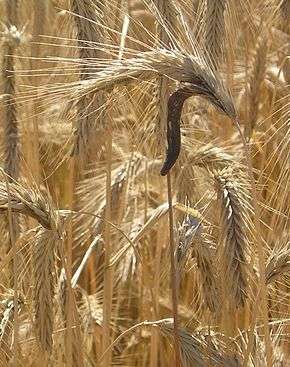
[{"x": 145, "y": 183}]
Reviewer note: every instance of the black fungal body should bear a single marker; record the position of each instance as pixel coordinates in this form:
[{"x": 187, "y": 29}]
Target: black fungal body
[
  {"x": 175, "y": 105},
  {"x": 211, "y": 90}
]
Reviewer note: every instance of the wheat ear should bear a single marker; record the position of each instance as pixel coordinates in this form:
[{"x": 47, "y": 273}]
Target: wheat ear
[
  {"x": 29, "y": 202},
  {"x": 173, "y": 64},
  {"x": 38, "y": 206},
  {"x": 207, "y": 270},
  {"x": 233, "y": 203},
  {"x": 257, "y": 78},
  {"x": 43, "y": 261},
  {"x": 85, "y": 17},
  {"x": 214, "y": 30},
  {"x": 12, "y": 38}
]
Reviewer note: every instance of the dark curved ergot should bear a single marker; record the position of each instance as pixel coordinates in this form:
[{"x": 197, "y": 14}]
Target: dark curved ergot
[
  {"x": 175, "y": 105},
  {"x": 212, "y": 91}
]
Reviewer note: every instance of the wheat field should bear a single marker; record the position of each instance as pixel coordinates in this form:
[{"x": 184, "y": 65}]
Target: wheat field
[{"x": 145, "y": 183}]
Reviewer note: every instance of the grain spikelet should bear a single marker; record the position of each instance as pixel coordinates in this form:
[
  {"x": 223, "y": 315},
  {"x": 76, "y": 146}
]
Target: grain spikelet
[
  {"x": 7, "y": 315},
  {"x": 278, "y": 263},
  {"x": 211, "y": 156},
  {"x": 6, "y": 327},
  {"x": 123, "y": 177},
  {"x": 257, "y": 78},
  {"x": 189, "y": 228},
  {"x": 87, "y": 32},
  {"x": 155, "y": 216},
  {"x": 204, "y": 251},
  {"x": 91, "y": 310},
  {"x": 29, "y": 202},
  {"x": 62, "y": 297},
  {"x": 43, "y": 264},
  {"x": 12, "y": 38},
  {"x": 200, "y": 350},
  {"x": 214, "y": 30},
  {"x": 233, "y": 202},
  {"x": 173, "y": 64},
  {"x": 62, "y": 293}
]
